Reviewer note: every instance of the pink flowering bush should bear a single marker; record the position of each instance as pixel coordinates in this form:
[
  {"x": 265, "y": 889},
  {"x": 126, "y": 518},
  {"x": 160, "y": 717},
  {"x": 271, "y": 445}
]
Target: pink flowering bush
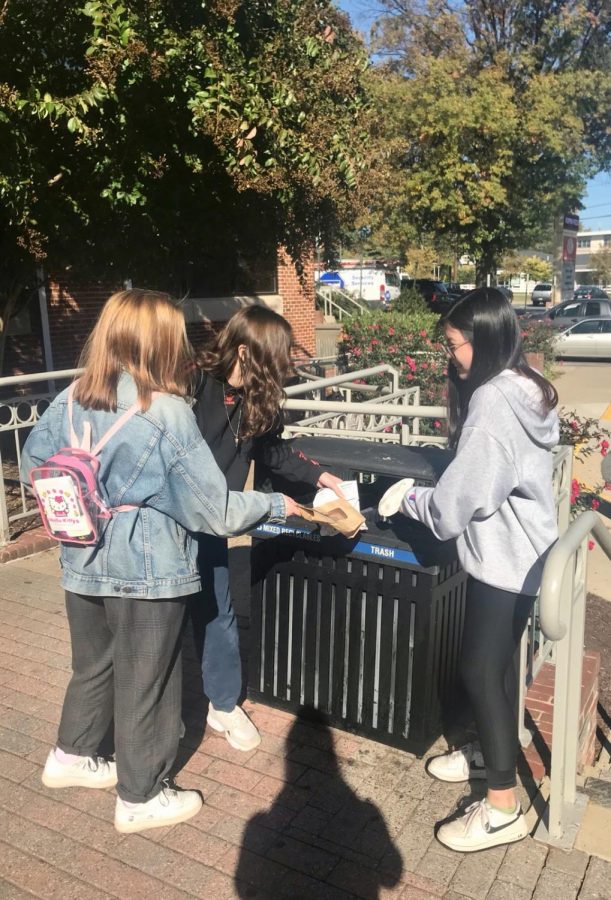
[
  {"x": 587, "y": 437},
  {"x": 538, "y": 337},
  {"x": 409, "y": 342}
]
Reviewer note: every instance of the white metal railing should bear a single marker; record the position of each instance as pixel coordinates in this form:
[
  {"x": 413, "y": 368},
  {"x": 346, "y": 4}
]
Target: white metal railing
[
  {"x": 332, "y": 308},
  {"x": 18, "y": 414},
  {"x": 562, "y": 610}
]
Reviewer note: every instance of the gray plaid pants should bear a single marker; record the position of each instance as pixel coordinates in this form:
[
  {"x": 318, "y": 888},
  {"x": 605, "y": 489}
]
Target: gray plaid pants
[{"x": 126, "y": 663}]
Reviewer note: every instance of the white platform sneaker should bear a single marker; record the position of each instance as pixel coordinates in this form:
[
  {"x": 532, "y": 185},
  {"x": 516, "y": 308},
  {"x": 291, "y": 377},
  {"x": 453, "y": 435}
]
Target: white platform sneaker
[
  {"x": 87, "y": 771},
  {"x": 482, "y": 826},
  {"x": 464, "y": 764},
  {"x": 240, "y": 731},
  {"x": 169, "y": 807}
]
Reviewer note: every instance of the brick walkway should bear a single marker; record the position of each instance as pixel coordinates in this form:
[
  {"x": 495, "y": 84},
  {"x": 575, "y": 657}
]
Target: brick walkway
[{"x": 312, "y": 813}]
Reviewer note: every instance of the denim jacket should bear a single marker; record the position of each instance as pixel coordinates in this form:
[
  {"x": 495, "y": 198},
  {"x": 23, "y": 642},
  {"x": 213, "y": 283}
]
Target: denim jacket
[{"x": 158, "y": 462}]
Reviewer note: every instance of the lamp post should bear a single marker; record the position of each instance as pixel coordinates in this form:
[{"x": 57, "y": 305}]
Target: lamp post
[{"x": 364, "y": 232}]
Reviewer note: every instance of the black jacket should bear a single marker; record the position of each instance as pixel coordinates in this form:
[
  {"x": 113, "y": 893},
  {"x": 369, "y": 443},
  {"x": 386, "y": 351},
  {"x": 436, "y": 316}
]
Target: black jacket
[{"x": 217, "y": 410}]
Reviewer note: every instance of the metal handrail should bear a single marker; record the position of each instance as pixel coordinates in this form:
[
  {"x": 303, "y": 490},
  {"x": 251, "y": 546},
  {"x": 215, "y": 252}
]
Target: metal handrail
[
  {"x": 349, "y": 385},
  {"x": 325, "y": 294},
  {"x": 293, "y": 390},
  {"x": 373, "y": 408},
  {"x": 58, "y": 375},
  {"x": 553, "y": 625},
  {"x": 562, "y": 615}
]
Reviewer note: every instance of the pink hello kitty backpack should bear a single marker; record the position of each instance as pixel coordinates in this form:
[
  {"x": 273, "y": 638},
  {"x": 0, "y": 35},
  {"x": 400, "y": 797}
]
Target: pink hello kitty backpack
[{"x": 66, "y": 485}]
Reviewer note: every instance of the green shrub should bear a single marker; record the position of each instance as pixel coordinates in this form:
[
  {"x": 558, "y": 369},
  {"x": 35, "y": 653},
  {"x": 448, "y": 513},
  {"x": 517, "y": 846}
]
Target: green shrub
[{"x": 410, "y": 301}]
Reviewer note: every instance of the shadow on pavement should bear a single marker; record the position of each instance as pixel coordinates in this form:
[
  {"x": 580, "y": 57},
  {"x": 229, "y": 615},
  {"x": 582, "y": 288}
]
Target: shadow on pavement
[{"x": 335, "y": 824}]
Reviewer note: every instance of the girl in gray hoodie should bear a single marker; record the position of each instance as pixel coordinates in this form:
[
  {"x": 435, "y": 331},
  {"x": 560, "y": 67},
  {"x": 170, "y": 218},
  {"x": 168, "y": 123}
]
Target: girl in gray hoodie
[{"x": 496, "y": 500}]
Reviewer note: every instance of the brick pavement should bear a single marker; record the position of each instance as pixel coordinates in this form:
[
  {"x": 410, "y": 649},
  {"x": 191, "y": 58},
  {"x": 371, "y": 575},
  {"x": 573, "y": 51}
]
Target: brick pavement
[{"x": 312, "y": 813}]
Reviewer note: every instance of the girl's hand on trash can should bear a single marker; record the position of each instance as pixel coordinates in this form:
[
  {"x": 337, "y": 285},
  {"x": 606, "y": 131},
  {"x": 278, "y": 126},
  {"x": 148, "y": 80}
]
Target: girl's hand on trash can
[
  {"x": 329, "y": 480},
  {"x": 291, "y": 507}
]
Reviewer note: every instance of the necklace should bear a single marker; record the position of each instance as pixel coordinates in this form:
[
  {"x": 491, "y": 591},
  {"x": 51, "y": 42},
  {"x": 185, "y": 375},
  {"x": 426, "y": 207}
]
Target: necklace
[{"x": 236, "y": 434}]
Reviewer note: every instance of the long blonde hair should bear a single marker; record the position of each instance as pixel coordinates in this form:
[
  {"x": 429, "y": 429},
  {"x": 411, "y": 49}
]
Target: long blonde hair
[{"x": 143, "y": 333}]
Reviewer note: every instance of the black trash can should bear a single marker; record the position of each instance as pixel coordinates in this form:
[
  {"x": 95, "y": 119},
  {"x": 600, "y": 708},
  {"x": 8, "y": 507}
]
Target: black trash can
[{"x": 366, "y": 631}]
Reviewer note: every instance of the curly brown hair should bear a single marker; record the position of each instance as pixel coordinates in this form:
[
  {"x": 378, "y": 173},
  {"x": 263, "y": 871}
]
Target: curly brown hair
[{"x": 264, "y": 364}]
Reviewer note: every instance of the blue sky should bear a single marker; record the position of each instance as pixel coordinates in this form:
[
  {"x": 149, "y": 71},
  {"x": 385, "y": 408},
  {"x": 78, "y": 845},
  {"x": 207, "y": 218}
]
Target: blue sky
[{"x": 596, "y": 215}]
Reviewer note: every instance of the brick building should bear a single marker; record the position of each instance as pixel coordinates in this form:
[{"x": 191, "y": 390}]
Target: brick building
[{"x": 52, "y": 334}]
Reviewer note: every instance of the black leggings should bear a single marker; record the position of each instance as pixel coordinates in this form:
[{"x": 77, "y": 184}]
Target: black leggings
[{"x": 494, "y": 623}]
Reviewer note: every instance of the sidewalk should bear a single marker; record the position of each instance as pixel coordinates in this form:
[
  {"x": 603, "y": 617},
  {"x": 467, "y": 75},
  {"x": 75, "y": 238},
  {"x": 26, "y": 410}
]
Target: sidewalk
[{"x": 313, "y": 813}]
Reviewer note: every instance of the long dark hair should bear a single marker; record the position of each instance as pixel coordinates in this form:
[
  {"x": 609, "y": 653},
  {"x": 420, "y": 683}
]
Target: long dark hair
[
  {"x": 265, "y": 364},
  {"x": 487, "y": 320}
]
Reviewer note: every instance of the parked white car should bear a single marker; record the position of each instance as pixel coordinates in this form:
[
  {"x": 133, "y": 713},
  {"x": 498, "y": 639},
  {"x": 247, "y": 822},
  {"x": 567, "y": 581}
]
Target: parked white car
[{"x": 590, "y": 339}]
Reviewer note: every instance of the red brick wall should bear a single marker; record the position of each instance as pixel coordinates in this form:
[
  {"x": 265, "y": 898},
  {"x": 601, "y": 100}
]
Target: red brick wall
[
  {"x": 73, "y": 310},
  {"x": 540, "y": 707},
  {"x": 298, "y": 301}
]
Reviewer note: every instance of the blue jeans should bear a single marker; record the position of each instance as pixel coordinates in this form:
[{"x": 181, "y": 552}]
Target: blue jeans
[{"x": 216, "y": 627}]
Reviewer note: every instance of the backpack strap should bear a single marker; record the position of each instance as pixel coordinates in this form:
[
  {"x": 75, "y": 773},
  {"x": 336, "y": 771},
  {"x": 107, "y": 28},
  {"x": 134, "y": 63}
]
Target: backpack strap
[
  {"x": 85, "y": 443},
  {"x": 134, "y": 408}
]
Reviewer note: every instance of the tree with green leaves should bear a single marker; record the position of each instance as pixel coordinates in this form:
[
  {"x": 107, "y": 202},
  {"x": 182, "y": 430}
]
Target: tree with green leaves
[
  {"x": 140, "y": 137},
  {"x": 600, "y": 263},
  {"x": 499, "y": 113},
  {"x": 537, "y": 269}
]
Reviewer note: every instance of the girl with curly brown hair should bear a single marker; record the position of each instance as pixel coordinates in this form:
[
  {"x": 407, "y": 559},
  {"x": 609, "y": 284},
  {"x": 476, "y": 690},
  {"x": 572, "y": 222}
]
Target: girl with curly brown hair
[{"x": 238, "y": 413}]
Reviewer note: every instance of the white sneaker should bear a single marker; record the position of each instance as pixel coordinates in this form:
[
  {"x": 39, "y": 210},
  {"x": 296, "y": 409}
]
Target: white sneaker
[
  {"x": 464, "y": 764},
  {"x": 482, "y": 827},
  {"x": 391, "y": 501},
  {"x": 168, "y": 807},
  {"x": 239, "y": 730},
  {"x": 87, "y": 771}
]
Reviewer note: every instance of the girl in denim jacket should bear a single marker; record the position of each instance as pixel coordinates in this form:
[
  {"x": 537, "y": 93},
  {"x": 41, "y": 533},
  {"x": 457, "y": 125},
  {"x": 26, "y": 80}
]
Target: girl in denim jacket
[{"x": 126, "y": 596}]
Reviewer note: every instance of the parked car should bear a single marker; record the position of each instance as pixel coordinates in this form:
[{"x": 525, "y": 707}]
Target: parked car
[
  {"x": 541, "y": 294},
  {"x": 590, "y": 339},
  {"x": 435, "y": 293},
  {"x": 572, "y": 311},
  {"x": 455, "y": 290},
  {"x": 590, "y": 292}
]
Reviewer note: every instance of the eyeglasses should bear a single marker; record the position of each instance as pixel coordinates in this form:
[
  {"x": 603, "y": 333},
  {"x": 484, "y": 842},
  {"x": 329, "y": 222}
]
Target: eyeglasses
[{"x": 451, "y": 351}]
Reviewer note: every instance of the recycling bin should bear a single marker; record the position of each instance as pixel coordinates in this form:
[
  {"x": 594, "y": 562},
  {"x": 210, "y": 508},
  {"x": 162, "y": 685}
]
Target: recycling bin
[{"x": 364, "y": 630}]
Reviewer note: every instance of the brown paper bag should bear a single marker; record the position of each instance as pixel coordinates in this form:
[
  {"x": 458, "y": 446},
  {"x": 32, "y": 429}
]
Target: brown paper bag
[{"x": 338, "y": 513}]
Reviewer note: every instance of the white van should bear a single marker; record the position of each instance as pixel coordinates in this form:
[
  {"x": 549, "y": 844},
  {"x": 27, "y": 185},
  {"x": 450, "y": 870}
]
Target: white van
[{"x": 374, "y": 286}]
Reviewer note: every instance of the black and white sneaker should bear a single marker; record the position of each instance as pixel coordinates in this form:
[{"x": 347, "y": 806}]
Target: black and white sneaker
[
  {"x": 464, "y": 764},
  {"x": 482, "y": 827}
]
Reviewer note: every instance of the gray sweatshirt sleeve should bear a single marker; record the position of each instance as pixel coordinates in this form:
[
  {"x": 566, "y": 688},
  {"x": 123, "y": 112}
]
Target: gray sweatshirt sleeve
[{"x": 475, "y": 484}]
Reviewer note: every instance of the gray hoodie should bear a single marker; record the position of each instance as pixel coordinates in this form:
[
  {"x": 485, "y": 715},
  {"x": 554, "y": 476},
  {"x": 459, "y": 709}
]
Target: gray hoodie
[{"x": 496, "y": 496}]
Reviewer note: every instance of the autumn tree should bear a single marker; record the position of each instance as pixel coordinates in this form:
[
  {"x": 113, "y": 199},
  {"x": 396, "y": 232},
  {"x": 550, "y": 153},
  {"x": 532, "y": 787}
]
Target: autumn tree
[
  {"x": 140, "y": 137},
  {"x": 499, "y": 113}
]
